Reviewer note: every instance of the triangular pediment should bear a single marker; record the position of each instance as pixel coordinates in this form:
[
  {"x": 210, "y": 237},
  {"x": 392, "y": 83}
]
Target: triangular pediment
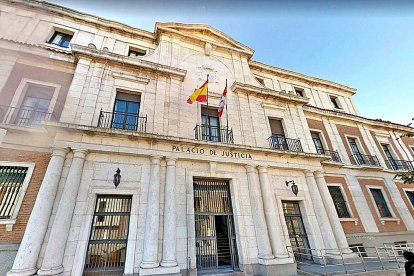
[{"x": 203, "y": 33}]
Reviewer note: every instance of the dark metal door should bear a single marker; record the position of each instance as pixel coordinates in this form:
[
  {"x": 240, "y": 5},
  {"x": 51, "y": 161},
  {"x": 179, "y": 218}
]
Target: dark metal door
[
  {"x": 296, "y": 228},
  {"x": 214, "y": 226},
  {"x": 109, "y": 233}
]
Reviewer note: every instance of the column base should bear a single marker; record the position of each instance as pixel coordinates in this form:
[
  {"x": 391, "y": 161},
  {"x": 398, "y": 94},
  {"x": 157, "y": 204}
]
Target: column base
[
  {"x": 22, "y": 272},
  {"x": 175, "y": 270},
  {"x": 276, "y": 261},
  {"x": 266, "y": 257},
  {"x": 147, "y": 265},
  {"x": 168, "y": 263},
  {"x": 50, "y": 271},
  {"x": 288, "y": 269}
]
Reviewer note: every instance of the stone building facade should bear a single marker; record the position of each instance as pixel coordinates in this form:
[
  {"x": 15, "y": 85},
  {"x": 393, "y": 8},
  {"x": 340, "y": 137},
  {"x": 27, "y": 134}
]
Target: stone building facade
[{"x": 82, "y": 96}]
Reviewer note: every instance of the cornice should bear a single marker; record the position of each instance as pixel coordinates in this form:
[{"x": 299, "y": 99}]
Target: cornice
[
  {"x": 85, "y": 17},
  {"x": 301, "y": 77},
  {"x": 89, "y": 53},
  {"x": 356, "y": 118},
  {"x": 266, "y": 92}
]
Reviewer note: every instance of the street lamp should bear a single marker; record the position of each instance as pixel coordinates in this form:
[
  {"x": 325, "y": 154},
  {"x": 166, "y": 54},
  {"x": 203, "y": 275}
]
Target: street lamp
[{"x": 294, "y": 187}]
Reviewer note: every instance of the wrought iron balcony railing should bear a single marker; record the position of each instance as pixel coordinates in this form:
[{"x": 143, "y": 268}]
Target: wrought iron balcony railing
[
  {"x": 400, "y": 165},
  {"x": 214, "y": 133},
  {"x": 331, "y": 153},
  {"x": 122, "y": 120},
  {"x": 363, "y": 159},
  {"x": 280, "y": 142},
  {"x": 24, "y": 116}
]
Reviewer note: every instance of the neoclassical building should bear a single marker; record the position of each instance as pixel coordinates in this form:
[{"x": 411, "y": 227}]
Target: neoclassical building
[{"x": 105, "y": 169}]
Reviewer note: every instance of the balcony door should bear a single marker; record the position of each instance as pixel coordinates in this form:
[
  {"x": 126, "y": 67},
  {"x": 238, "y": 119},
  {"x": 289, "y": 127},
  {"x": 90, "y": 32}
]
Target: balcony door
[
  {"x": 126, "y": 110},
  {"x": 390, "y": 156},
  {"x": 210, "y": 124},
  {"x": 318, "y": 143},
  {"x": 356, "y": 151},
  {"x": 35, "y": 105},
  {"x": 278, "y": 139}
]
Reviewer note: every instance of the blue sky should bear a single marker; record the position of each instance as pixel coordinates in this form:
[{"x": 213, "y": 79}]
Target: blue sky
[{"x": 368, "y": 45}]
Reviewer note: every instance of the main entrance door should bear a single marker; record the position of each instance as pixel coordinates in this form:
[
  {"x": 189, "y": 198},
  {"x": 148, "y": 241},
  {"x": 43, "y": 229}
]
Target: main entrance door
[
  {"x": 215, "y": 237},
  {"x": 108, "y": 240},
  {"x": 296, "y": 228}
]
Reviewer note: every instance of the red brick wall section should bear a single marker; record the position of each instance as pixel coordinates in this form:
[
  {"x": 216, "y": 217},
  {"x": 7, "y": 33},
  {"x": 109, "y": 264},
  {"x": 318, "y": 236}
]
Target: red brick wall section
[
  {"x": 348, "y": 226},
  {"x": 41, "y": 160},
  {"x": 409, "y": 142},
  {"x": 315, "y": 124},
  {"x": 388, "y": 226}
]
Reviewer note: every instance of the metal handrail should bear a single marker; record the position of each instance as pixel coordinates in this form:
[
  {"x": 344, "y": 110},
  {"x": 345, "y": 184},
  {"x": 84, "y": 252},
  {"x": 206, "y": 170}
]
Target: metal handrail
[
  {"x": 280, "y": 142},
  {"x": 122, "y": 120},
  {"x": 364, "y": 159},
  {"x": 399, "y": 165},
  {"x": 23, "y": 116},
  {"x": 214, "y": 134},
  {"x": 333, "y": 154},
  {"x": 349, "y": 260}
]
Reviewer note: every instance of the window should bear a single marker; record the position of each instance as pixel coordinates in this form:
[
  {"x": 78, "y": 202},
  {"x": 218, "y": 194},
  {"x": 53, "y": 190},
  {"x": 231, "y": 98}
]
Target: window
[
  {"x": 210, "y": 124},
  {"x": 260, "y": 80},
  {"x": 60, "y": 39},
  {"x": 276, "y": 127},
  {"x": 335, "y": 102},
  {"x": 317, "y": 142},
  {"x": 355, "y": 150},
  {"x": 126, "y": 110},
  {"x": 299, "y": 92},
  {"x": 35, "y": 105},
  {"x": 410, "y": 195},
  {"x": 133, "y": 52},
  {"x": 339, "y": 201},
  {"x": 381, "y": 203},
  {"x": 278, "y": 139},
  {"x": 391, "y": 163}
]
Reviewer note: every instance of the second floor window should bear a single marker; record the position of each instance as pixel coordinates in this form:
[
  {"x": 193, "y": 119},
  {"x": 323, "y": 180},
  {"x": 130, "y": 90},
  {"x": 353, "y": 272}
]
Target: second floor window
[
  {"x": 317, "y": 141},
  {"x": 339, "y": 201},
  {"x": 126, "y": 111},
  {"x": 382, "y": 205},
  {"x": 354, "y": 146},
  {"x": 35, "y": 105},
  {"x": 60, "y": 39}
]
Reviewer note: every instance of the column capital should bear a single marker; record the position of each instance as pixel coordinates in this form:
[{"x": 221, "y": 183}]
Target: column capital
[
  {"x": 155, "y": 159},
  {"x": 319, "y": 173},
  {"x": 170, "y": 161},
  {"x": 58, "y": 151},
  {"x": 80, "y": 153},
  {"x": 262, "y": 169},
  {"x": 250, "y": 168},
  {"x": 308, "y": 173}
]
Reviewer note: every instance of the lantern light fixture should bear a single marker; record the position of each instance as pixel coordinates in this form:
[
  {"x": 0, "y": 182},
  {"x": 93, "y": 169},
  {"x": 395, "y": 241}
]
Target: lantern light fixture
[
  {"x": 294, "y": 187},
  {"x": 117, "y": 178}
]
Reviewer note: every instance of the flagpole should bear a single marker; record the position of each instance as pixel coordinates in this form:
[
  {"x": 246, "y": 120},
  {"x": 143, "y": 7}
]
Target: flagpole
[
  {"x": 227, "y": 113},
  {"x": 207, "y": 91}
]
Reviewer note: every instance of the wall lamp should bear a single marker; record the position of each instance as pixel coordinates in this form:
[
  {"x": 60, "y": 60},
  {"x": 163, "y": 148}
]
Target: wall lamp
[
  {"x": 294, "y": 187},
  {"x": 117, "y": 178}
]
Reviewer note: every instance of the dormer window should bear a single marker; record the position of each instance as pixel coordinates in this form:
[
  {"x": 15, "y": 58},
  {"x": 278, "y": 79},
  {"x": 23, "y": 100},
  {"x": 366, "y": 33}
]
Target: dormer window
[
  {"x": 335, "y": 102},
  {"x": 60, "y": 39},
  {"x": 134, "y": 52}
]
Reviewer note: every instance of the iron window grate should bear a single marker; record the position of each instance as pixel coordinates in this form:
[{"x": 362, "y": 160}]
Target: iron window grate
[
  {"x": 339, "y": 202},
  {"x": 11, "y": 181}
]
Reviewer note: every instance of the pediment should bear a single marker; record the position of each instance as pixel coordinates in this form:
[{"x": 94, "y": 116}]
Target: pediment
[{"x": 203, "y": 33}]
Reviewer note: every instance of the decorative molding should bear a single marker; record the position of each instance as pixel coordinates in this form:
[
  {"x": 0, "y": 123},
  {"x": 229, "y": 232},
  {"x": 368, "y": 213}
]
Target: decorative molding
[{"x": 130, "y": 78}]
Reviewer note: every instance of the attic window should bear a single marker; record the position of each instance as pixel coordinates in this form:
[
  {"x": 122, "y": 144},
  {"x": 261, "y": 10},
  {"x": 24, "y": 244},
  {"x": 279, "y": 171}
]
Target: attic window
[
  {"x": 135, "y": 52},
  {"x": 260, "y": 80},
  {"x": 299, "y": 92},
  {"x": 335, "y": 102}
]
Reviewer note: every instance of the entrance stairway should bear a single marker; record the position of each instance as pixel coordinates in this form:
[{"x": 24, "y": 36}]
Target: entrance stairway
[{"x": 223, "y": 249}]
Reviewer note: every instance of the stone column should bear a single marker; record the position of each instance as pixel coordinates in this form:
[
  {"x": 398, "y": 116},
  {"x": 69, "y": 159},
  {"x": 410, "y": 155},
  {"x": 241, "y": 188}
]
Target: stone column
[
  {"x": 274, "y": 226},
  {"x": 337, "y": 229},
  {"x": 321, "y": 215},
  {"x": 169, "y": 239},
  {"x": 256, "y": 203},
  {"x": 26, "y": 258},
  {"x": 150, "y": 256},
  {"x": 55, "y": 249}
]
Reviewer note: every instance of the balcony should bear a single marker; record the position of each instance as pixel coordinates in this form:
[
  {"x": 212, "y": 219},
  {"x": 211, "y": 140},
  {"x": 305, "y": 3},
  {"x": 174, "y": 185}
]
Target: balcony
[
  {"x": 282, "y": 143},
  {"x": 122, "y": 120},
  {"x": 27, "y": 117},
  {"x": 365, "y": 160},
  {"x": 399, "y": 165},
  {"x": 214, "y": 134},
  {"x": 333, "y": 154}
]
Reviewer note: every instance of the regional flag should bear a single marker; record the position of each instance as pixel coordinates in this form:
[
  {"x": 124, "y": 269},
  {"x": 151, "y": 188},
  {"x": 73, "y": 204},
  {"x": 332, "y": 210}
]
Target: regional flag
[
  {"x": 199, "y": 95},
  {"x": 223, "y": 102}
]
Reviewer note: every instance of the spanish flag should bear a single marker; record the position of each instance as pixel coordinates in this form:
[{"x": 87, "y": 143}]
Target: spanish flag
[{"x": 199, "y": 95}]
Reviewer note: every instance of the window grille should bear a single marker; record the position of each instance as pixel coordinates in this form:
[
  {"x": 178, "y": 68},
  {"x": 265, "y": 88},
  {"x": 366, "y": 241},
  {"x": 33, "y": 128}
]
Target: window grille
[
  {"x": 381, "y": 203},
  {"x": 339, "y": 201},
  {"x": 11, "y": 181}
]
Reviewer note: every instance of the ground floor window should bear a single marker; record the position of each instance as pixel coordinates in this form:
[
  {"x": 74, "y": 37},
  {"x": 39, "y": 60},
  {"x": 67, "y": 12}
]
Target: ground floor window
[{"x": 109, "y": 234}]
